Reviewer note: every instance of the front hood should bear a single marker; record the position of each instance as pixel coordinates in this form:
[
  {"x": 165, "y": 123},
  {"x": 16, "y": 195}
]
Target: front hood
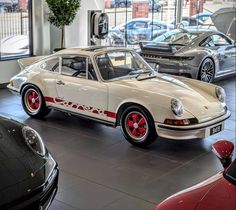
[
  {"x": 194, "y": 99},
  {"x": 21, "y": 170},
  {"x": 189, "y": 199}
]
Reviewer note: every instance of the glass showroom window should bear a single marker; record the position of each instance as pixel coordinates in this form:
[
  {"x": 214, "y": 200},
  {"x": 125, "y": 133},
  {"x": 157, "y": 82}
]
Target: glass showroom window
[
  {"x": 213, "y": 14},
  {"x": 132, "y": 21},
  {"x": 14, "y": 28}
]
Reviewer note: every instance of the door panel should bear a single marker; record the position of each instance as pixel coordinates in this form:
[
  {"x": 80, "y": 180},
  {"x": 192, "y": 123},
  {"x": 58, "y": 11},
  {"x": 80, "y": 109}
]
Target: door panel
[
  {"x": 82, "y": 96},
  {"x": 226, "y": 53},
  {"x": 78, "y": 89}
]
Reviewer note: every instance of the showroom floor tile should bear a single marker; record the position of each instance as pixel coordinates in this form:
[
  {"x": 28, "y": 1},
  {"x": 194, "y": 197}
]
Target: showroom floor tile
[{"x": 100, "y": 170}]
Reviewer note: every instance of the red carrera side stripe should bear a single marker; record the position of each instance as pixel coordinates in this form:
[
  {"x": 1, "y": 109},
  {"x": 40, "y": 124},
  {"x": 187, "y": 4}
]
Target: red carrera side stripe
[
  {"x": 49, "y": 99},
  {"x": 80, "y": 107},
  {"x": 110, "y": 114},
  {"x": 59, "y": 100}
]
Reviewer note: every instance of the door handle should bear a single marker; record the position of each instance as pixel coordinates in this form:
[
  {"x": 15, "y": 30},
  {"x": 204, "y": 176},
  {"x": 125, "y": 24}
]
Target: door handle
[{"x": 60, "y": 82}]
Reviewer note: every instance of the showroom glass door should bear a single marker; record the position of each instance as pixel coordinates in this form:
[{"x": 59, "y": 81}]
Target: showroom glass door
[
  {"x": 133, "y": 21},
  {"x": 78, "y": 89},
  {"x": 212, "y": 14}
]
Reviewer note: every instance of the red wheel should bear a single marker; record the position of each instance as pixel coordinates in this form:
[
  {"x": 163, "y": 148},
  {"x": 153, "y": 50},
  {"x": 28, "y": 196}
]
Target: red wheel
[
  {"x": 138, "y": 126},
  {"x": 33, "y": 102}
]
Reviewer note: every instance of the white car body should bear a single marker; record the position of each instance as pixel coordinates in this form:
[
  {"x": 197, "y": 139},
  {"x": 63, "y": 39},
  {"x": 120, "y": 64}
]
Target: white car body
[{"x": 105, "y": 100}]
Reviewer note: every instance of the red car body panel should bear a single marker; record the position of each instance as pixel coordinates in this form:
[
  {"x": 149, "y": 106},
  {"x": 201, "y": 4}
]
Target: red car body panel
[{"x": 215, "y": 193}]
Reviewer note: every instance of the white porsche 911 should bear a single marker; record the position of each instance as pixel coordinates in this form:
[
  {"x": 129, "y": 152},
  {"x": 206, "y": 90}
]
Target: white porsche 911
[{"x": 117, "y": 87}]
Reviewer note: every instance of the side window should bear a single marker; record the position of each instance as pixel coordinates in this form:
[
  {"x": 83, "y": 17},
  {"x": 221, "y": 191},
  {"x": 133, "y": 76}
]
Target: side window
[
  {"x": 51, "y": 65},
  {"x": 155, "y": 26},
  {"x": 74, "y": 66},
  {"x": 130, "y": 25},
  {"x": 139, "y": 25},
  {"x": 220, "y": 40},
  {"x": 80, "y": 67},
  {"x": 192, "y": 22},
  {"x": 208, "y": 42}
]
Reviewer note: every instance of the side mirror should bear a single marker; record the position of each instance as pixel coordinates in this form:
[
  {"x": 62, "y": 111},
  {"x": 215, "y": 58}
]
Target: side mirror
[{"x": 223, "y": 149}]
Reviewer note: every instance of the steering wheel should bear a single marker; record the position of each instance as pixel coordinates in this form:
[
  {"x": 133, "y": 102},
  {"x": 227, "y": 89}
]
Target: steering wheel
[{"x": 78, "y": 72}]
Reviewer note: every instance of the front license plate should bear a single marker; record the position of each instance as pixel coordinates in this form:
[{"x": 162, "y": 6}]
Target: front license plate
[{"x": 216, "y": 129}]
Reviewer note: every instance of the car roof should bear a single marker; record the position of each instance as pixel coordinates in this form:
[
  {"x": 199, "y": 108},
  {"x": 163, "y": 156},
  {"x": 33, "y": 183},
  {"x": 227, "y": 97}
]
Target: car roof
[
  {"x": 141, "y": 19},
  {"x": 199, "y": 30},
  {"x": 147, "y": 20},
  {"x": 92, "y": 50},
  {"x": 202, "y": 14}
]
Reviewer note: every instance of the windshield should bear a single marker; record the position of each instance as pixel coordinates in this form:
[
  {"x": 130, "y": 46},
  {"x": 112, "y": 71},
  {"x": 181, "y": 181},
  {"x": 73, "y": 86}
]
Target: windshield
[
  {"x": 177, "y": 37},
  {"x": 230, "y": 173},
  {"x": 121, "y": 64}
]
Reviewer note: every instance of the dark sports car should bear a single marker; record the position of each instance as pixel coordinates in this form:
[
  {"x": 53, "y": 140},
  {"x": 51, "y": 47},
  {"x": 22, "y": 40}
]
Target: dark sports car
[
  {"x": 28, "y": 173},
  {"x": 201, "y": 54}
]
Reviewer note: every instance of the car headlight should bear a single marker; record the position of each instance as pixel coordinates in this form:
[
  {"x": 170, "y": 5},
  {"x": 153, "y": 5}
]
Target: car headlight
[
  {"x": 177, "y": 107},
  {"x": 34, "y": 141},
  {"x": 220, "y": 94}
]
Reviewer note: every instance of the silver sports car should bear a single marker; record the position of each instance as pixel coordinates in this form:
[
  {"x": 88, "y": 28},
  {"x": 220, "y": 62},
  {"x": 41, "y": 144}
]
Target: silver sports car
[{"x": 201, "y": 54}]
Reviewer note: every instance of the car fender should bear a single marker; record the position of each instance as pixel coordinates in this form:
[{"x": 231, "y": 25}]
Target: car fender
[
  {"x": 196, "y": 84},
  {"x": 215, "y": 60},
  {"x": 34, "y": 79},
  {"x": 158, "y": 105},
  {"x": 199, "y": 56}
]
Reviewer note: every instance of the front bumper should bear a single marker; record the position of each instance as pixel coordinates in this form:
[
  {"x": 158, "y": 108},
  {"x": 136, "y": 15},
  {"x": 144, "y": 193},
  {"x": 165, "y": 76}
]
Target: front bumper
[
  {"x": 13, "y": 90},
  {"x": 41, "y": 197},
  {"x": 201, "y": 130}
]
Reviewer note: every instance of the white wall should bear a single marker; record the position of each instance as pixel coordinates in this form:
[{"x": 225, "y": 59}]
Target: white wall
[
  {"x": 41, "y": 28},
  {"x": 76, "y": 34},
  {"x": 7, "y": 70}
]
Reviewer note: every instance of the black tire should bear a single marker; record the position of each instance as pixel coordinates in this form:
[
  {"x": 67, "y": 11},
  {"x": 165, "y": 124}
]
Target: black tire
[
  {"x": 33, "y": 102},
  {"x": 207, "y": 71},
  {"x": 142, "y": 132}
]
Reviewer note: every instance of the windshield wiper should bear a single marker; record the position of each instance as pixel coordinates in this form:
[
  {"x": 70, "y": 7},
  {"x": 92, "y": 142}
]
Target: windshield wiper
[
  {"x": 177, "y": 44},
  {"x": 144, "y": 72},
  {"x": 139, "y": 72}
]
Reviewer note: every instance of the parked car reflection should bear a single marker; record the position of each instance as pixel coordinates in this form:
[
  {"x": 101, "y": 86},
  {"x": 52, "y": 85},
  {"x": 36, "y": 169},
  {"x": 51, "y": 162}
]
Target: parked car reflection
[
  {"x": 14, "y": 46},
  {"x": 136, "y": 30}
]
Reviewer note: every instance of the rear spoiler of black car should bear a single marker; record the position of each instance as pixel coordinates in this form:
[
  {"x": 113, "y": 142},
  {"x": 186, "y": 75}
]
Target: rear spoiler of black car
[{"x": 152, "y": 47}]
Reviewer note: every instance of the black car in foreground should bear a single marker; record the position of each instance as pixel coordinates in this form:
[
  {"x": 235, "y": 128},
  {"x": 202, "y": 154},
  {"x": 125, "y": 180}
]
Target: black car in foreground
[{"x": 28, "y": 173}]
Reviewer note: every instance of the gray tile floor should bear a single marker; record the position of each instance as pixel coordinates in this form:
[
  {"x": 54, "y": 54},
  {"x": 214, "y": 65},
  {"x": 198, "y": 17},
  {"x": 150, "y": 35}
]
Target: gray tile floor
[{"x": 100, "y": 170}]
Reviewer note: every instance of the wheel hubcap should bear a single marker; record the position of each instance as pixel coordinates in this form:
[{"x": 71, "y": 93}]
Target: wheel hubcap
[
  {"x": 32, "y": 100},
  {"x": 136, "y": 126},
  {"x": 207, "y": 72}
]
